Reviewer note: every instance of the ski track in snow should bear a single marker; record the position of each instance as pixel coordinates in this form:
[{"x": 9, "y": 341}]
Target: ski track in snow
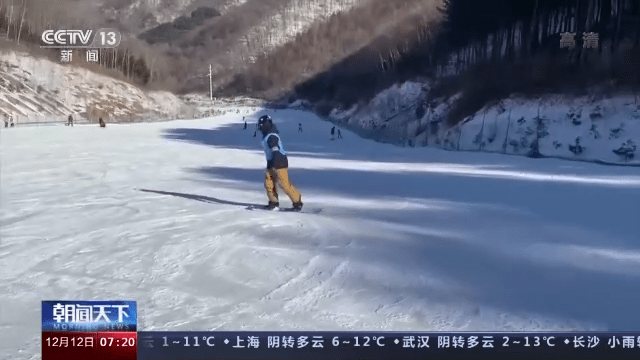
[{"x": 409, "y": 238}]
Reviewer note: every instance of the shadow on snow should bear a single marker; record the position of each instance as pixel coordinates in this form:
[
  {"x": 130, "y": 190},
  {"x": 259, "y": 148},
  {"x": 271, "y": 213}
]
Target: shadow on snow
[
  {"x": 202, "y": 198},
  {"x": 481, "y": 271},
  {"x": 521, "y": 284}
]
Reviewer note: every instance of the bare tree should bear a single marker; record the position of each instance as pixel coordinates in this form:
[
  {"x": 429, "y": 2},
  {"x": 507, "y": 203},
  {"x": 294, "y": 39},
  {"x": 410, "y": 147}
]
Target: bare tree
[
  {"x": 151, "y": 72},
  {"x": 532, "y": 28},
  {"x": 590, "y": 13},
  {"x": 616, "y": 34},
  {"x": 9, "y": 18},
  {"x": 24, "y": 9},
  {"x": 637, "y": 43},
  {"x": 123, "y": 59},
  {"x": 133, "y": 65}
]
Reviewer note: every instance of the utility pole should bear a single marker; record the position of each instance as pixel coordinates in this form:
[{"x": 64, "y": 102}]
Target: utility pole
[{"x": 210, "y": 85}]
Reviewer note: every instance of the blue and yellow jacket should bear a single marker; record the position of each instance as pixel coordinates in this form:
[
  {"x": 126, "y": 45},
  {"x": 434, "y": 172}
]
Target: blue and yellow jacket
[{"x": 274, "y": 150}]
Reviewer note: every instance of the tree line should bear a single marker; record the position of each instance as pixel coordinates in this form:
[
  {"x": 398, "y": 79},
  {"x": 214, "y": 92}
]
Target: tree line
[
  {"x": 521, "y": 29},
  {"x": 489, "y": 49},
  {"x": 494, "y": 48},
  {"x": 24, "y": 21}
]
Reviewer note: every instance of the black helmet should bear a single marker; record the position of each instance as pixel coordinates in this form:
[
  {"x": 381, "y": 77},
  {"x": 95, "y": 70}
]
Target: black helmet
[{"x": 265, "y": 122}]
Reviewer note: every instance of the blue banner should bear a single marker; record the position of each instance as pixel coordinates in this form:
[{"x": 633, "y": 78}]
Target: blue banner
[{"x": 88, "y": 316}]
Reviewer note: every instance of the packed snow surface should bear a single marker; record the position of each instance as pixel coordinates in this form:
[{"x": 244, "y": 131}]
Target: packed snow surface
[{"x": 408, "y": 239}]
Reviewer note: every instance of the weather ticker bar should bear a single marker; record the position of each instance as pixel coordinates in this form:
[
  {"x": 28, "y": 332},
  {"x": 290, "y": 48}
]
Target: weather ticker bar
[
  {"x": 386, "y": 345},
  {"x": 108, "y": 330}
]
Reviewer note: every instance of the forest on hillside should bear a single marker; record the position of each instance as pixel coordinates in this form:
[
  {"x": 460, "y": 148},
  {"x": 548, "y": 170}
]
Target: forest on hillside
[
  {"x": 22, "y": 23},
  {"x": 493, "y": 48},
  {"x": 485, "y": 49}
]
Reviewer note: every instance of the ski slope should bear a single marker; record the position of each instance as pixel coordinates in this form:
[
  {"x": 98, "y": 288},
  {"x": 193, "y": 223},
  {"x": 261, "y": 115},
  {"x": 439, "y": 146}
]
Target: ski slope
[{"x": 409, "y": 238}]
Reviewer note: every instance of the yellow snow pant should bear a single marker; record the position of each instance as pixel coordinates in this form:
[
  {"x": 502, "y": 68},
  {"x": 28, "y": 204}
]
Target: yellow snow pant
[{"x": 280, "y": 176}]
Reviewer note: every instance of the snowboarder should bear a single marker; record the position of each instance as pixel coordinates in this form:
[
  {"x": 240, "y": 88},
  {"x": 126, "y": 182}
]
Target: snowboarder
[
  {"x": 102, "y": 123},
  {"x": 245, "y": 124},
  {"x": 277, "y": 165},
  {"x": 299, "y": 127},
  {"x": 333, "y": 131},
  {"x": 70, "y": 121},
  {"x": 339, "y": 134}
]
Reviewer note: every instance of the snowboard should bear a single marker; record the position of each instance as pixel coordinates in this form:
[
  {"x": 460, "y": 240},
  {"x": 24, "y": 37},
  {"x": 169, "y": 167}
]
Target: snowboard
[{"x": 304, "y": 210}]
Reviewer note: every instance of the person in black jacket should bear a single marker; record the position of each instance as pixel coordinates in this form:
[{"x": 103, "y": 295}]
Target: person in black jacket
[
  {"x": 102, "y": 123},
  {"x": 277, "y": 165}
]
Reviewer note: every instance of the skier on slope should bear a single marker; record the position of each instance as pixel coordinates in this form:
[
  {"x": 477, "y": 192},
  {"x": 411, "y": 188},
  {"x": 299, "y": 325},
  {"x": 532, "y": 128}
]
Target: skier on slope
[{"x": 277, "y": 165}]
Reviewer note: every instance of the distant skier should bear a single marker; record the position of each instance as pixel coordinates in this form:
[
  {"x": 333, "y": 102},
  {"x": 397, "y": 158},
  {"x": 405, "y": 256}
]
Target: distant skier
[
  {"x": 245, "y": 124},
  {"x": 339, "y": 134},
  {"x": 277, "y": 165},
  {"x": 11, "y": 123},
  {"x": 333, "y": 131},
  {"x": 299, "y": 127},
  {"x": 6, "y": 120},
  {"x": 102, "y": 123},
  {"x": 70, "y": 121}
]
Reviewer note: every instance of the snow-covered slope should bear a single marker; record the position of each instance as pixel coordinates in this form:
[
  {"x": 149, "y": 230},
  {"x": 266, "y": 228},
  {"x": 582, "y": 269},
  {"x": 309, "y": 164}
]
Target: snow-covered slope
[
  {"x": 274, "y": 26},
  {"x": 38, "y": 90},
  {"x": 409, "y": 238},
  {"x": 588, "y": 128},
  {"x": 579, "y": 129},
  {"x": 294, "y": 18}
]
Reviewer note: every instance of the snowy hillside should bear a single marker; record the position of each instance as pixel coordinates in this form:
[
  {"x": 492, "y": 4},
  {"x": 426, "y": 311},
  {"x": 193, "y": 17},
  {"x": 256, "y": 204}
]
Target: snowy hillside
[
  {"x": 38, "y": 90},
  {"x": 606, "y": 130},
  {"x": 274, "y": 24},
  {"x": 589, "y": 128},
  {"x": 295, "y": 18},
  {"x": 221, "y": 106},
  {"x": 408, "y": 239}
]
